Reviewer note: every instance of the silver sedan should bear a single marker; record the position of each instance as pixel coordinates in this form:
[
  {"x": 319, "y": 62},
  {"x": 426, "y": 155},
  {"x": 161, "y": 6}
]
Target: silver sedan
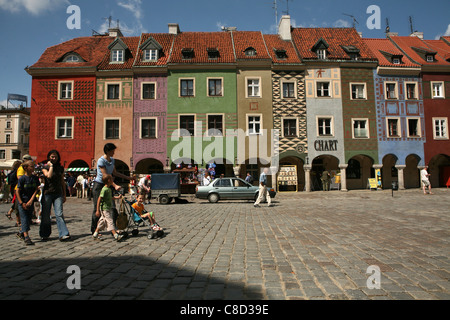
[{"x": 229, "y": 189}]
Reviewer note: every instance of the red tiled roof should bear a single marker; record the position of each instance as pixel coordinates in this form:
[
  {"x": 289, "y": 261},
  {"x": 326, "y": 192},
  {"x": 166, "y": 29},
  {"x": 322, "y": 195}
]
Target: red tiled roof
[
  {"x": 166, "y": 42},
  {"x": 200, "y": 42},
  {"x": 407, "y": 44},
  {"x": 382, "y": 48},
  {"x": 132, "y": 44},
  {"x": 91, "y": 49},
  {"x": 244, "y": 40},
  {"x": 306, "y": 38},
  {"x": 274, "y": 43},
  {"x": 441, "y": 47}
]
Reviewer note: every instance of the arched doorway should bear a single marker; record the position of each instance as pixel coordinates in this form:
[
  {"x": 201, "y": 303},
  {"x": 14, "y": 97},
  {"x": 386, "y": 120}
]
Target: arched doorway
[
  {"x": 389, "y": 171},
  {"x": 412, "y": 172},
  {"x": 319, "y": 165},
  {"x": 288, "y": 186},
  {"x": 439, "y": 167},
  {"x": 122, "y": 168},
  {"x": 149, "y": 166},
  {"x": 78, "y": 164},
  {"x": 359, "y": 170}
]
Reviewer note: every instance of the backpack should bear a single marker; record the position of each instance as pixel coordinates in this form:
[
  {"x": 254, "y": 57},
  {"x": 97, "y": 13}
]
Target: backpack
[{"x": 12, "y": 178}]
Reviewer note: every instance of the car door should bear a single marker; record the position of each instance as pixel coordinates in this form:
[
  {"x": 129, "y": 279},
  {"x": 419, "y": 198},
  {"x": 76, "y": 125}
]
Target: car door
[
  {"x": 242, "y": 190},
  {"x": 224, "y": 188}
]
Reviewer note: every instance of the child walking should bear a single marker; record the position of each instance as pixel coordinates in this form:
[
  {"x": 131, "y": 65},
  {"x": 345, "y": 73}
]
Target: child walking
[
  {"x": 27, "y": 189},
  {"x": 140, "y": 209},
  {"x": 104, "y": 206}
]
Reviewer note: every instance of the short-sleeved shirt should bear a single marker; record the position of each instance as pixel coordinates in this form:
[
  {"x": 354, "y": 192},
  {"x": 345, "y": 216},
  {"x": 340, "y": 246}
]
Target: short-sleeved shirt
[
  {"x": 103, "y": 163},
  {"x": 263, "y": 178},
  {"x": 27, "y": 187},
  {"x": 139, "y": 208},
  {"x": 106, "y": 203},
  {"x": 54, "y": 184}
]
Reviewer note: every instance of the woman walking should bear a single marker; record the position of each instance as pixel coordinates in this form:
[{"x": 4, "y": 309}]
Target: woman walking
[
  {"x": 54, "y": 194},
  {"x": 105, "y": 166}
]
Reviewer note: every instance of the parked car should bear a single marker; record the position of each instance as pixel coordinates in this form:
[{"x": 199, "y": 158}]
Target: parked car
[{"x": 229, "y": 189}]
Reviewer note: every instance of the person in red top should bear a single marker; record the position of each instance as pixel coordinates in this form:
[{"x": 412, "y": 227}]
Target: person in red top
[{"x": 140, "y": 209}]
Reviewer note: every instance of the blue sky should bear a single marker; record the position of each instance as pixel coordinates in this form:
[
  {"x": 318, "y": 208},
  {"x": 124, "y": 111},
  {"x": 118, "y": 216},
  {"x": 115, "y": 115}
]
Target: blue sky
[{"x": 28, "y": 27}]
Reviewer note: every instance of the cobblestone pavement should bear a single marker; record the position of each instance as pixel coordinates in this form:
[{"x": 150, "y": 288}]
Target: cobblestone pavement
[{"x": 308, "y": 246}]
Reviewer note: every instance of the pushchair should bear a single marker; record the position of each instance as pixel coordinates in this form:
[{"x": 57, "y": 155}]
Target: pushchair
[{"x": 135, "y": 221}]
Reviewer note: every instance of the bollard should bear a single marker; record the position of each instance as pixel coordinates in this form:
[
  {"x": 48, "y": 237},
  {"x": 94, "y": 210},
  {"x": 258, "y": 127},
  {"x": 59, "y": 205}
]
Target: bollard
[{"x": 394, "y": 187}]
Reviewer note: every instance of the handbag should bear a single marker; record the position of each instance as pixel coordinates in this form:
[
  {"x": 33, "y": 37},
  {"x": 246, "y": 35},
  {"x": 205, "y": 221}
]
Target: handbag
[{"x": 122, "y": 218}]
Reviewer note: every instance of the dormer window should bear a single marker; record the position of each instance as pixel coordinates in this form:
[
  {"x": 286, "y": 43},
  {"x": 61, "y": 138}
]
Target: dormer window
[
  {"x": 150, "y": 55},
  {"x": 281, "y": 54},
  {"x": 321, "y": 54},
  {"x": 250, "y": 52},
  {"x": 352, "y": 51},
  {"x": 213, "y": 53},
  {"x": 151, "y": 50},
  {"x": 320, "y": 48},
  {"x": 429, "y": 58},
  {"x": 72, "y": 58},
  {"x": 396, "y": 61},
  {"x": 187, "y": 53},
  {"x": 117, "y": 56},
  {"x": 118, "y": 51}
]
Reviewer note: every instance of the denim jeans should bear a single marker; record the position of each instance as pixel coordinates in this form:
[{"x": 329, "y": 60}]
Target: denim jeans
[
  {"x": 25, "y": 218},
  {"x": 45, "y": 229}
]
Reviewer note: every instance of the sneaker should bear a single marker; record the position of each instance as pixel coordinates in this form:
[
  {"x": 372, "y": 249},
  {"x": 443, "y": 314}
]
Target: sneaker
[
  {"x": 97, "y": 237},
  {"x": 119, "y": 237},
  {"x": 256, "y": 205},
  {"x": 64, "y": 238},
  {"x": 20, "y": 236}
]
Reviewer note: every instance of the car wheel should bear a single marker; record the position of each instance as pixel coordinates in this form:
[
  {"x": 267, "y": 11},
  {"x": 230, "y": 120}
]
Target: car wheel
[{"x": 213, "y": 198}]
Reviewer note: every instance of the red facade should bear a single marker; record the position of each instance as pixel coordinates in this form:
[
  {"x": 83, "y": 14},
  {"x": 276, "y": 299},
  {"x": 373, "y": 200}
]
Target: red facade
[{"x": 47, "y": 108}]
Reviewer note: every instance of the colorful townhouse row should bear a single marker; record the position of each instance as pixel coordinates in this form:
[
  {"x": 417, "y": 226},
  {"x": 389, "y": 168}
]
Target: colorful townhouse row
[{"x": 340, "y": 103}]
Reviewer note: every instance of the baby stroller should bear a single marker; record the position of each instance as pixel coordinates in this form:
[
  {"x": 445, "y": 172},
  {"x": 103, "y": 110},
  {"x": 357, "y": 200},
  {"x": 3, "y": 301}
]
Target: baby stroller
[{"x": 135, "y": 221}]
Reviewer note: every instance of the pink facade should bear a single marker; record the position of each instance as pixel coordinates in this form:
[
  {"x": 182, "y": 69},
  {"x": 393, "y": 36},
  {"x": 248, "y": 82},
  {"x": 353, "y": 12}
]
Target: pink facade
[{"x": 150, "y": 153}]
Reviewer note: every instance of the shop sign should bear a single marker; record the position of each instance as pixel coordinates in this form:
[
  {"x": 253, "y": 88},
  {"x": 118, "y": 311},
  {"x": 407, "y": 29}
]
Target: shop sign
[{"x": 326, "y": 145}]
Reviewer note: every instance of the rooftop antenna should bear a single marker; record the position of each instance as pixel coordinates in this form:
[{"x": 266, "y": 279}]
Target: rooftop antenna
[
  {"x": 388, "y": 28},
  {"x": 355, "y": 22},
  {"x": 275, "y": 7},
  {"x": 287, "y": 7},
  {"x": 109, "y": 19},
  {"x": 411, "y": 25}
]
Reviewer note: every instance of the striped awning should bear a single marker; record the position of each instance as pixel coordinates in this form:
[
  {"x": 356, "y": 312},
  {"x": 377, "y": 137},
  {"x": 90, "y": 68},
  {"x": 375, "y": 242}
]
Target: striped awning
[{"x": 77, "y": 169}]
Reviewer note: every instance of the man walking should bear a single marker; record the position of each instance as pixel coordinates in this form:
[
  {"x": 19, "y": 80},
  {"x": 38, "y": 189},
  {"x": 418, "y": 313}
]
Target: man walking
[
  {"x": 424, "y": 176},
  {"x": 263, "y": 191}
]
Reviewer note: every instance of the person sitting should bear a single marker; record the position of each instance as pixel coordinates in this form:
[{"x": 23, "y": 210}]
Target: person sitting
[{"x": 140, "y": 209}]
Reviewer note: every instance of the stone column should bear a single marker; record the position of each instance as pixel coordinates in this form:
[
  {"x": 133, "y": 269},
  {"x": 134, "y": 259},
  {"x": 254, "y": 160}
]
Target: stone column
[
  {"x": 401, "y": 176},
  {"x": 343, "y": 168},
  {"x": 307, "y": 168}
]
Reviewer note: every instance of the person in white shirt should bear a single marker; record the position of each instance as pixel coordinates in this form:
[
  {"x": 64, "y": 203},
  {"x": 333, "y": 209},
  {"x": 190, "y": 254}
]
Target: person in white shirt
[{"x": 424, "y": 176}]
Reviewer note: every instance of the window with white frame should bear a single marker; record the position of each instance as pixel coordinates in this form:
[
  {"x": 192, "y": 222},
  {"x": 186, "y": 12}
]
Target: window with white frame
[
  {"x": 148, "y": 91},
  {"x": 253, "y": 88},
  {"x": 290, "y": 126},
  {"x": 149, "y": 128},
  {"x": 325, "y": 126},
  {"x": 393, "y": 127},
  {"x": 66, "y": 90},
  {"x": 150, "y": 55},
  {"x": 322, "y": 54},
  {"x": 437, "y": 89},
  {"x": 64, "y": 128},
  {"x": 254, "y": 124},
  {"x": 117, "y": 56},
  {"x": 289, "y": 90},
  {"x": 7, "y": 138},
  {"x": 323, "y": 89},
  {"x": 2, "y": 154},
  {"x": 360, "y": 128},
  {"x": 358, "y": 91},
  {"x": 112, "y": 129},
  {"x": 391, "y": 90},
  {"x": 414, "y": 130},
  {"x": 411, "y": 90},
  {"x": 440, "y": 128},
  {"x": 8, "y": 125}
]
